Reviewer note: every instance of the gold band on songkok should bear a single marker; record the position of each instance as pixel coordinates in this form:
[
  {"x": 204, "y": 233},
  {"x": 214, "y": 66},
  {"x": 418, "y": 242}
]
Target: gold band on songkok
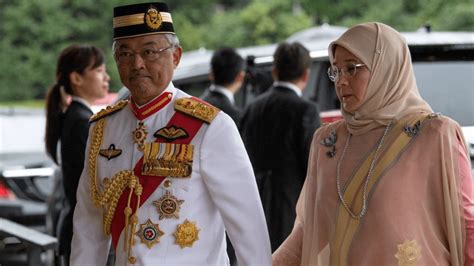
[{"x": 137, "y": 19}]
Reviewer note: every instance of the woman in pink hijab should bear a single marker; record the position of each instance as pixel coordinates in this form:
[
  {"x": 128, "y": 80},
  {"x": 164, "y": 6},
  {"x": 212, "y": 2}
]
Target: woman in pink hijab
[{"x": 391, "y": 183}]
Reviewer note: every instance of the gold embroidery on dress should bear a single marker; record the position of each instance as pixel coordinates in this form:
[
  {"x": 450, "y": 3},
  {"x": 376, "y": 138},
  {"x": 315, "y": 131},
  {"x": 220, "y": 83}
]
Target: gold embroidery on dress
[{"x": 409, "y": 253}]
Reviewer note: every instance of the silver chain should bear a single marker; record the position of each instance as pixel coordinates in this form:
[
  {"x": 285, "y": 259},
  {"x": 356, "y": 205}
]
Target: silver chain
[{"x": 369, "y": 174}]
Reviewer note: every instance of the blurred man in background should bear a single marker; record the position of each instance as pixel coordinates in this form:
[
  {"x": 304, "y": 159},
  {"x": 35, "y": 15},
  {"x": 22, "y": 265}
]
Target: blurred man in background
[
  {"x": 227, "y": 75},
  {"x": 277, "y": 129}
]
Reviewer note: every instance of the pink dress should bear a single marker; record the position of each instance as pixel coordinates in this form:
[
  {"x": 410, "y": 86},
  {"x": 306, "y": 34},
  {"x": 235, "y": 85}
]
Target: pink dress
[{"x": 420, "y": 211}]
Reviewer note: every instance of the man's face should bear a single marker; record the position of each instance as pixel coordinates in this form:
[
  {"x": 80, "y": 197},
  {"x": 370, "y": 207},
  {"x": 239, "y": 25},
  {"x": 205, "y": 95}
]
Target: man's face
[{"x": 145, "y": 66}]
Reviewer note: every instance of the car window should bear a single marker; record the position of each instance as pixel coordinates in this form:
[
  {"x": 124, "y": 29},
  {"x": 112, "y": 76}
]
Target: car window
[{"x": 448, "y": 87}]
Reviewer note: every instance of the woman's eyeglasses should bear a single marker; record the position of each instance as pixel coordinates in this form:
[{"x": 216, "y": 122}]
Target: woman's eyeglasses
[{"x": 349, "y": 71}]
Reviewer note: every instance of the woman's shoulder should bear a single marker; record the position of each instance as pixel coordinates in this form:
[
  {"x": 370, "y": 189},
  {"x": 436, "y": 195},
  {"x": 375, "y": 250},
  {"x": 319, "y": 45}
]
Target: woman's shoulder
[
  {"x": 438, "y": 126},
  {"x": 328, "y": 129},
  {"x": 438, "y": 123}
]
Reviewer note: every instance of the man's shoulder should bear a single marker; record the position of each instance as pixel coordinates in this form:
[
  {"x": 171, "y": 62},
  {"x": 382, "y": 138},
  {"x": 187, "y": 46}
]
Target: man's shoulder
[
  {"x": 109, "y": 110},
  {"x": 197, "y": 108}
]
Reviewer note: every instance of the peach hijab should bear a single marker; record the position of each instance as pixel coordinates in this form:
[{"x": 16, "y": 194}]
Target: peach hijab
[{"x": 391, "y": 92}]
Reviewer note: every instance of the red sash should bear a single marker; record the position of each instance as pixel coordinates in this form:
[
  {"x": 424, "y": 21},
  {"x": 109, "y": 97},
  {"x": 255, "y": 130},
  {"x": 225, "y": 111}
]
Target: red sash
[{"x": 150, "y": 183}]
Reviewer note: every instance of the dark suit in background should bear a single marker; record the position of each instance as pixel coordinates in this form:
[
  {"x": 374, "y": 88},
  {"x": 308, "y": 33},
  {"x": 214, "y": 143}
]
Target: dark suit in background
[
  {"x": 74, "y": 135},
  {"x": 277, "y": 129},
  {"x": 221, "y": 101}
]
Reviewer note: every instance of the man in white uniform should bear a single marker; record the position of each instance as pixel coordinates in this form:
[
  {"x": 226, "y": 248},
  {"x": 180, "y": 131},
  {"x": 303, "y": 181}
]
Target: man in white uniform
[{"x": 166, "y": 175}]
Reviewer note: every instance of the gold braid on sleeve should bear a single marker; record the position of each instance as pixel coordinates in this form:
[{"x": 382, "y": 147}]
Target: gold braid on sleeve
[{"x": 113, "y": 189}]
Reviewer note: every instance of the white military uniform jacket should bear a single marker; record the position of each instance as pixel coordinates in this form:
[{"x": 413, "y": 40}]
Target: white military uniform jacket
[{"x": 220, "y": 195}]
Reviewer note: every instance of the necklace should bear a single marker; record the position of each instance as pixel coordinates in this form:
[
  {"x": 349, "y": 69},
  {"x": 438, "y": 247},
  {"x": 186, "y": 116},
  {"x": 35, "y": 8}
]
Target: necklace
[{"x": 369, "y": 174}]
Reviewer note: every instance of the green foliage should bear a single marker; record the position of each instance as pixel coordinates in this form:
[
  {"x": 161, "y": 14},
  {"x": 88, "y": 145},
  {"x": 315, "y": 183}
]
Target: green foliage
[
  {"x": 458, "y": 17},
  {"x": 33, "y": 32},
  {"x": 35, "y": 104}
]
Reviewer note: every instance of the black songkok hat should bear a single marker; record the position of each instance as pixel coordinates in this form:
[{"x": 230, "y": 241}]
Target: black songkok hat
[{"x": 142, "y": 19}]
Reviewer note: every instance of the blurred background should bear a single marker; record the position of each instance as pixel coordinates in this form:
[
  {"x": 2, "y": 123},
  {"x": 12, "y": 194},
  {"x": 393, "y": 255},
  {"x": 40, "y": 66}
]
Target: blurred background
[{"x": 33, "y": 32}]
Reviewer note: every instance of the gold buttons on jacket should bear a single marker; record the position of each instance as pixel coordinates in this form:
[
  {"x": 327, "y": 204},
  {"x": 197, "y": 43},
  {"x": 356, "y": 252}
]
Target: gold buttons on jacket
[{"x": 167, "y": 183}]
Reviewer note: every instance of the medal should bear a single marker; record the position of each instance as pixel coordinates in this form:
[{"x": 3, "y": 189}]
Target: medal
[
  {"x": 186, "y": 234},
  {"x": 139, "y": 135},
  {"x": 149, "y": 233},
  {"x": 168, "y": 206}
]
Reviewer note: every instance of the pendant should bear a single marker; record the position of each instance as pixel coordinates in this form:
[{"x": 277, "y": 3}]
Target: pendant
[
  {"x": 139, "y": 135},
  {"x": 149, "y": 233},
  {"x": 186, "y": 234},
  {"x": 168, "y": 206}
]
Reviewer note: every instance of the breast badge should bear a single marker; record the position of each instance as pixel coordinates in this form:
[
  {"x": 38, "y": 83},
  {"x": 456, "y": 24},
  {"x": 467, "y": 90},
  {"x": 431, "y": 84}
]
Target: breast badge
[
  {"x": 409, "y": 253},
  {"x": 139, "y": 135},
  {"x": 149, "y": 233},
  {"x": 168, "y": 159},
  {"x": 186, "y": 234},
  {"x": 111, "y": 152},
  {"x": 171, "y": 133},
  {"x": 168, "y": 206}
]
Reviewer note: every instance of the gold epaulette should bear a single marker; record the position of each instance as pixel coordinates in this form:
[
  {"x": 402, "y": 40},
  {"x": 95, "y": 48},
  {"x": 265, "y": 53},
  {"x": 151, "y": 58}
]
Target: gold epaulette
[
  {"x": 109, "y": 110},
  {"x": 196, "y": 108}
]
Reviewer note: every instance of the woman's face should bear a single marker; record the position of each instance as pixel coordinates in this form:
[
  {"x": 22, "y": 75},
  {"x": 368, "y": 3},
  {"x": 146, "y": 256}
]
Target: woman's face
[
  {"x": 351, "y": 90},
  {"x": 94, "y": 83}
]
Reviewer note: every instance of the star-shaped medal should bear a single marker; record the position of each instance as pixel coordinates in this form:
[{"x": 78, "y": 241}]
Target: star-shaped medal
[
  {"x": 149, "y": 233},
  {"x": 168, "y": 206},
  {"x": 186, "y": 234}
]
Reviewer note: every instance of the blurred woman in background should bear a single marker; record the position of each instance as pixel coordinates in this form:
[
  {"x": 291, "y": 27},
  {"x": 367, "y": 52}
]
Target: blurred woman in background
[{"x": 81, "y": 79}]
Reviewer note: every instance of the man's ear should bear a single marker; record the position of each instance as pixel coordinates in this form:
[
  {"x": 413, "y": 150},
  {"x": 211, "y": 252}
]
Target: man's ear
[
  {"x": 274, "y": 73},
  {"x": 178, "y": 51},
  {"x": 241, "y": 76},
  {"x": 306, "y": 75}
]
